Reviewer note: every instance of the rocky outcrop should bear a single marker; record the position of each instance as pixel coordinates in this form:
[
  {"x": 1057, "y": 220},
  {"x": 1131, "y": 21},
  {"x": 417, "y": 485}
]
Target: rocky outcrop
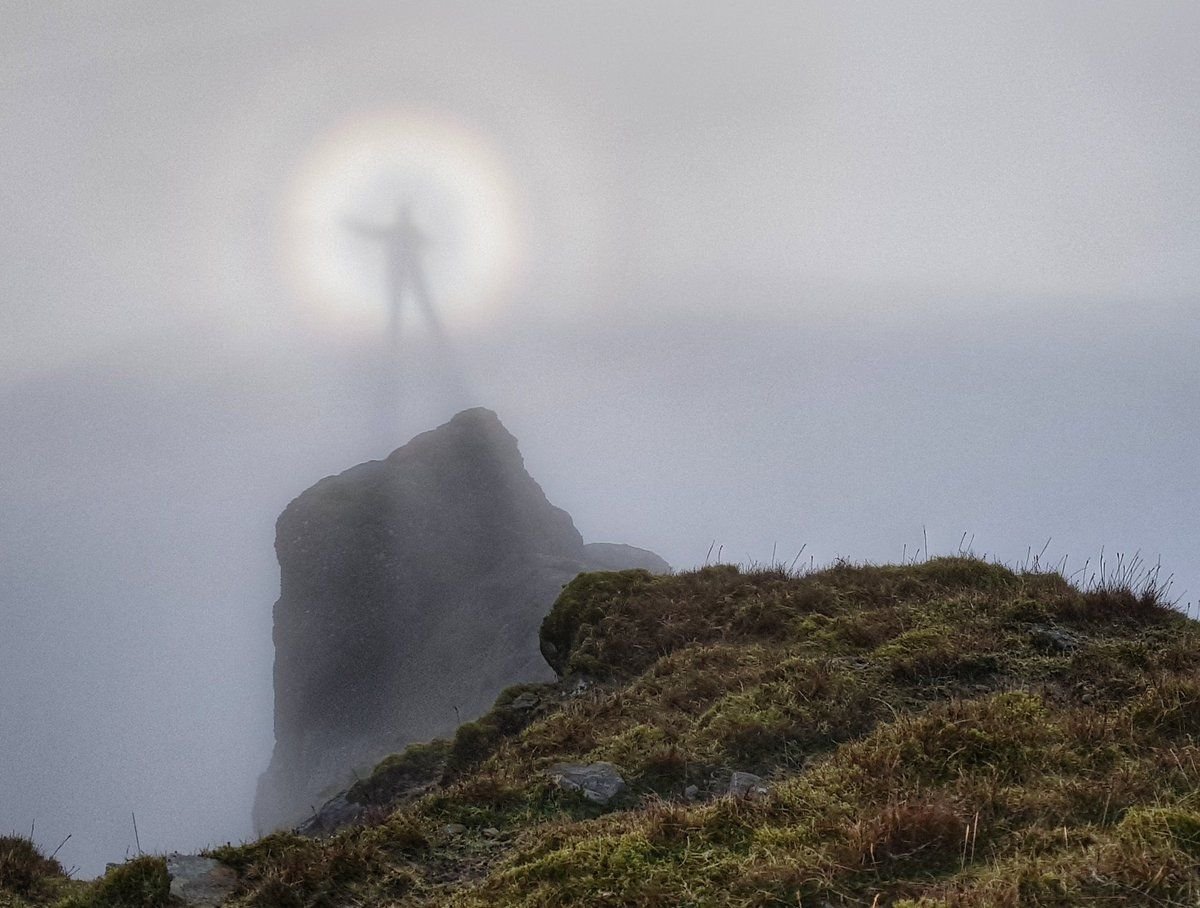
[{"x": 412, "y": 590}]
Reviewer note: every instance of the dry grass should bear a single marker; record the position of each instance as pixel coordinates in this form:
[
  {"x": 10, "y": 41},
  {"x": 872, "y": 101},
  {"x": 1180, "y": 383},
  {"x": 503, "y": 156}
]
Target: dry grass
[{"x": 25, "y": 873}]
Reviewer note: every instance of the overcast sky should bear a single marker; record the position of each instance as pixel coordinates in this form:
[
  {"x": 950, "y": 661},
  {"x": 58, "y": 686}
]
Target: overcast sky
[{"x": 764, "y": 274}]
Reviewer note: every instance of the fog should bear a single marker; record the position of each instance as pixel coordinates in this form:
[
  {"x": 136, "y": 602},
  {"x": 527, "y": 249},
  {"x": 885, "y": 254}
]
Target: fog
[{"x": 739, "y": 277}]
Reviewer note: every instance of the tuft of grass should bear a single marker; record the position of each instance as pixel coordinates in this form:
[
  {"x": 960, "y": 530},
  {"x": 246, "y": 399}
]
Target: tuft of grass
[
  {"x": 284, "y": 870},
  {"x": 515, "y": 708},
  {"x": 929, "y": 833},
  {"x": 25, "y": 872}
]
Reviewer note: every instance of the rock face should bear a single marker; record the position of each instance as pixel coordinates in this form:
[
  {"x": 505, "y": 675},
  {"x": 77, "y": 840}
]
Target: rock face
[
  {"x": 412, "y": 590},
  {"x": 199, "y": 882}
]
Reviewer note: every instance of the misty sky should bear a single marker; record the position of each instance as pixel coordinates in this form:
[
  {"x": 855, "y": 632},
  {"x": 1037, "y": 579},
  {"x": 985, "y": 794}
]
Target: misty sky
[{"x": 764, "y": 274}]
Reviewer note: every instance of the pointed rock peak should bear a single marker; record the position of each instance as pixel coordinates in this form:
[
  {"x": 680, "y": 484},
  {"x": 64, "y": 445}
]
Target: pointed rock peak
[
  {"x": 411, "y": 593},
  {"x": 475, "y": 416},
  {"x": 476, "y": 428}
]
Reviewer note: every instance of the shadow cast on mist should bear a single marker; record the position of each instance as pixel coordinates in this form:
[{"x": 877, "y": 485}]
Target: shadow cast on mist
[{"x": 144, "y": 484}]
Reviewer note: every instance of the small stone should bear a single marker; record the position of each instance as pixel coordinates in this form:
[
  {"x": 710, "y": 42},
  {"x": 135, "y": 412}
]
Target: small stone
[
  {"x": 598, "y": 782},
  {"x": 692, "y": 792},
  {"x": 454, "y": 829},
  {"x": 491, "y": 832},
  {"x": 746, "y": 785},
  {"x": 525, "y": 702}
]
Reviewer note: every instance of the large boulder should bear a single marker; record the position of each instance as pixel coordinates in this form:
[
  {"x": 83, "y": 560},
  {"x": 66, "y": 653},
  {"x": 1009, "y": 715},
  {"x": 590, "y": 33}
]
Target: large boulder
[{"x": 412, "y": 590}]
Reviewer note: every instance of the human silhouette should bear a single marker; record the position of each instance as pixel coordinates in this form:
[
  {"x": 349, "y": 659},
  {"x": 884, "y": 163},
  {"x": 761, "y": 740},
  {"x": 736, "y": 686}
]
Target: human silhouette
[{"x": 403, "y": 243}]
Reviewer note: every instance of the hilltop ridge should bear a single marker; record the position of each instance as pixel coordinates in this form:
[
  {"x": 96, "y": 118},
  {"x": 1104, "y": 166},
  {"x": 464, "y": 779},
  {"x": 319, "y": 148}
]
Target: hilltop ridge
[{"x": 947, "y": 733}]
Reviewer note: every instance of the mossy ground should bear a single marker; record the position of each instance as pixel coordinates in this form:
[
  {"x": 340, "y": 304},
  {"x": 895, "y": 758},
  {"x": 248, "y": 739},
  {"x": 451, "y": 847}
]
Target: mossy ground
[{"x": 950, "y": 733}]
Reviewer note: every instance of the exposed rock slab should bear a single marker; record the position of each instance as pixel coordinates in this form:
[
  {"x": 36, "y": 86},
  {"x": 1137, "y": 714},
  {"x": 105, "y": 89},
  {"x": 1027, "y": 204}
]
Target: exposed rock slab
[
  {"x": 598, "y": 782},
  {"x": 200, "y": 882}
]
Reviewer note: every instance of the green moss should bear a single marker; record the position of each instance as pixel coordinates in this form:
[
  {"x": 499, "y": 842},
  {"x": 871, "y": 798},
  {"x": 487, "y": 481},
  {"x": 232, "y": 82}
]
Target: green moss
[
  {"x": 474, "y": 742},
  {"x": 938, "y": 652},
  {"x": 578, "y": 613},
  {"x": 514, "y": 709},
  {"x": 416, "y": 765}
]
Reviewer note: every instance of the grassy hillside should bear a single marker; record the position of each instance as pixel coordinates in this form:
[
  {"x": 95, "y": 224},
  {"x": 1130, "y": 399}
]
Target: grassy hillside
[{"x": 944, "y": 733}]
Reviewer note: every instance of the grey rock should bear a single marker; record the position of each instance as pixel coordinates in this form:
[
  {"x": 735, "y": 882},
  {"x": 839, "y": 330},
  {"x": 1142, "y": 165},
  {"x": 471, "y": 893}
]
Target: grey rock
[
  {"x": 1051, "y": 639},
  {"x": 454, "y": 829},
  {"x": 598, "y": 782},
  {"x": 579, "y": 688},
  {"x": 412, "y": 591},
  {"x": 692, "y": 793},
  {"x": 334, "y": 814},
  {"x": 524, "y": 702},
  {"x": 746, "y": 785},
  {"x": 200, "y": 882},
  {"x": 492, "y": 832}
]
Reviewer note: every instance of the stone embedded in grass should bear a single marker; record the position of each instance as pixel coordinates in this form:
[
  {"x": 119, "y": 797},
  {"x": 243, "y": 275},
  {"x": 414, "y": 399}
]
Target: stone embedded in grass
[
  {"x": 1051, "y": 639},
  {"x": 598, "y": 782},
  {"x": 746, "y": 785},
  {"x": 525, "y": 701},
  {"x": 580, "y": 687}
]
